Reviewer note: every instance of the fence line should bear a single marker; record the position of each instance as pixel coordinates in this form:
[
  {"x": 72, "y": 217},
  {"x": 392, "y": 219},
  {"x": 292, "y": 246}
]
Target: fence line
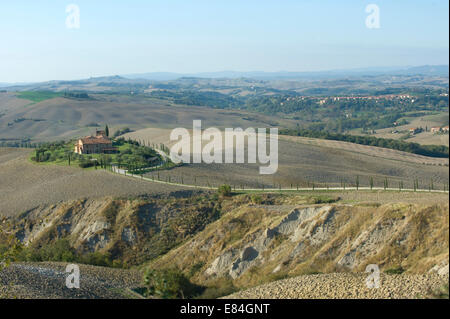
[{"x": 268, "y": 189}]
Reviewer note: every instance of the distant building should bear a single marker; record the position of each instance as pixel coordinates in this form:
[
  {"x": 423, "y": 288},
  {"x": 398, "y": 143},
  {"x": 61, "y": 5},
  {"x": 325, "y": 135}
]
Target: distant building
[
  {"x": 443, "y": 129},
  {"x": 99, "y": 143},
  {"x": 415, "y": 130},
  {"x": 100, "y": 133},
  {"x": 435, "y": 129}
]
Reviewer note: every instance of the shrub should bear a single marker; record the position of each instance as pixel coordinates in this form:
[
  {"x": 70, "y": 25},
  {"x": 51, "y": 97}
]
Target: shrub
[
  {"x": 86, "y": 164},
  {"x": 60, "y": 250},
  {"x": 223, "y": 287},
  {"x": 224, "y": 190},
  {"x": 117, "y": 263},
  {"x": 256, "y": 199},
  {"x": 441, "y": 293},
  {"x": 196, "y": 268},
  {"x": 122, "y": 131},
  {"x": 395, "y": 271},
  {"x": 110, "y": 213},
  {"x": 96, "y": 259},
  {"x": 9, "y": 251},
  {"x": 169, "y": 284},
  {"x": 321, "y": 199}
]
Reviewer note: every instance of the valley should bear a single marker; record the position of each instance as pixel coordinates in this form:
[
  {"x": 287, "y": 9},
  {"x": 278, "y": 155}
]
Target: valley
[{"x": 224, "y": 230}]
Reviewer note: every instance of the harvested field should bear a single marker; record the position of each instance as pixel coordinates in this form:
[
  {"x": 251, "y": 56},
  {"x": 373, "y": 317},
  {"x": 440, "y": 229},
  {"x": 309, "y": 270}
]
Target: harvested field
[
  {"x": 9, "y": 101},
  {"x": 63, "y": 118},
  {"x": 376, "y": 152},
  {"x": 25, "y": 185},
  {"x": 430, "y": 139},
  {"x": 304, "y": 161}
]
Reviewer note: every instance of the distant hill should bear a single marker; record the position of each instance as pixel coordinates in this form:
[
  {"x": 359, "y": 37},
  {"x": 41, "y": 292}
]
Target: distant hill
[
  {"x": 432, "y": 70},
  {"x": 138, "y": 82},
  {"x": 429, "y": 70},
  {"x": 4, "y": 84}
]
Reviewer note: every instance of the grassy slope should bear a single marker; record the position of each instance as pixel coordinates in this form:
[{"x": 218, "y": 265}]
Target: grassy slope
[{"x": 38, "y": 96}]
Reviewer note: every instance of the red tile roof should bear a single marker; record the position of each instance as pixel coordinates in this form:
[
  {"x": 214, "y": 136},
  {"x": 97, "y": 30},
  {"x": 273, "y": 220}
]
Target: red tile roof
[{"x": 95, "y": 140}]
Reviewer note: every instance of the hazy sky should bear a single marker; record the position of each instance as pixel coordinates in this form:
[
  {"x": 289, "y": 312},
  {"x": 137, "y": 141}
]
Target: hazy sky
[{"x": 122, "y": 37}]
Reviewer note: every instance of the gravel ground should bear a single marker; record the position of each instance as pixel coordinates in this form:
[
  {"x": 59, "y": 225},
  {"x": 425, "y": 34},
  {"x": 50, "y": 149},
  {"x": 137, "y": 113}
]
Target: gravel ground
[
  {"x": 48, "y": 280},
  {"x": 346, "y": 286}
]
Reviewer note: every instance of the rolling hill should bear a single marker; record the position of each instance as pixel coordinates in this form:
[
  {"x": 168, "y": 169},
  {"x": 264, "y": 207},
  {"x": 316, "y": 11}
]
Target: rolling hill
[
  {"x": 63, "y": 118},
  {"x": 303, "y": 161},
  {"x": 26, "y": 185}
]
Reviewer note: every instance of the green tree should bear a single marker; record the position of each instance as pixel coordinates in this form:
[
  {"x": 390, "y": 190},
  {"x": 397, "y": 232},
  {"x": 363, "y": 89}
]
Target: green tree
[
  {"x": 10, "y": 252},
  {"x": 107, "y": 130},
  {"x": 169, "y": 284}
]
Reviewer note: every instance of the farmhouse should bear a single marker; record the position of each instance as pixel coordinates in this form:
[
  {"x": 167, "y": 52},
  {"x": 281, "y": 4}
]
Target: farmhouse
[
  {"x": 415, "y": 130},
  {"x": 443, "y": 129},
  {"x": 100, "y": 143},
  {"x": 435, "y": 129}
]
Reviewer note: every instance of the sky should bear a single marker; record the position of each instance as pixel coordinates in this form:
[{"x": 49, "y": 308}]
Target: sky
[{"x": 188, "y": 36}]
